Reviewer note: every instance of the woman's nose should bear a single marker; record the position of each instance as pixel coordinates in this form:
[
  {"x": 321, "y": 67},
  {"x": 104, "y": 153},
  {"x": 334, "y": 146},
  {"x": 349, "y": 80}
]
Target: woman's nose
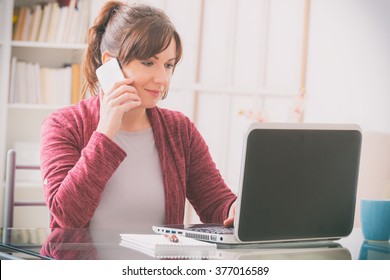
[{"x": 162, "y": 76}]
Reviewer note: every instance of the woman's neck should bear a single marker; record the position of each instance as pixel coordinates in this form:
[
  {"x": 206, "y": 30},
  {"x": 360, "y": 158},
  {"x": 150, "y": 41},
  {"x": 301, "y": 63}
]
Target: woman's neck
[{"x": 135, "y": 120}]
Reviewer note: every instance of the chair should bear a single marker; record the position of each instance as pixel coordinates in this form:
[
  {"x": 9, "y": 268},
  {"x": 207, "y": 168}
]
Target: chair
[{"x": 9, "y": 200}]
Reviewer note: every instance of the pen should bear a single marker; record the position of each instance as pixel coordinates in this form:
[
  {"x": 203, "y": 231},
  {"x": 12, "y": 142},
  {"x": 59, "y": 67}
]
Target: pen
[{"x": 173, "y": 238}]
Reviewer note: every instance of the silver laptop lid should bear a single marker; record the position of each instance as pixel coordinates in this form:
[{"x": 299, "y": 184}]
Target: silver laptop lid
[{"x": 298, "y": 182}]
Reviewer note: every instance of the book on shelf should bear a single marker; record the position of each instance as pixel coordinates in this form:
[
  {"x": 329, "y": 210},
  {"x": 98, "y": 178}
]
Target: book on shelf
[
  {"x": 159, "y": 246},
  {"x": 84, "y": 19},
  {"x": 12, "y": 84},
  {"x": 76, "y": 83},
  {"x": 65, "y": 76},
  {"x": 35, "y": 23},
  {"x": 70, "y": 17},
  {"x": 71, "y": 35},
  {"x": 21, "y": 82},
  {"x": 44, "y": 73},
  {"x": 26, "y": 24},
  {"x": 63, "y": 14},
  {"x": 53, "y": 22},
  {"x": 42, "y": 32},
  {"x": 32, "y": 91},
  {"x": 21, "y": 16},
  {"x": 16, "y": 22}
]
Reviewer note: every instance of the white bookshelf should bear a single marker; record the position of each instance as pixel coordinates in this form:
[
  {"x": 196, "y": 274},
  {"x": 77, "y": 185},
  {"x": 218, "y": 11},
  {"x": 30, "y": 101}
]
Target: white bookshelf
[
  {"x": 17, "y": 117},
  {"x": 6, "y": 10},
  {"x": 21, "y": 123}
]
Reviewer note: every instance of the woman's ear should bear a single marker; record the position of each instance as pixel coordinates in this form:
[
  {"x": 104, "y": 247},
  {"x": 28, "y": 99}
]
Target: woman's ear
[{"x": 105, "y": 57}]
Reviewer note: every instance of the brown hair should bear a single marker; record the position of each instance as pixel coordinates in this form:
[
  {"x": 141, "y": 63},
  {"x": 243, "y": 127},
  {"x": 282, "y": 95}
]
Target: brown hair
[{"x": 127, "y": 32}]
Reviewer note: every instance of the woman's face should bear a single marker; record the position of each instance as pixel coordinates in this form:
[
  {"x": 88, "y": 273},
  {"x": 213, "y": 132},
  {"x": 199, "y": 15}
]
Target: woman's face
[{"x": 152, "y": 76}]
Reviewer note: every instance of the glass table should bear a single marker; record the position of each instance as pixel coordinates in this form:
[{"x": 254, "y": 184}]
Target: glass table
[{"x": 85, "y": 244}]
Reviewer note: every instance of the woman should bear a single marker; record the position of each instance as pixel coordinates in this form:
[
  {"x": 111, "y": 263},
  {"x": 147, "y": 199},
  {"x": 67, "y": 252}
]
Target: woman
[{"x": 117, "y": 160}]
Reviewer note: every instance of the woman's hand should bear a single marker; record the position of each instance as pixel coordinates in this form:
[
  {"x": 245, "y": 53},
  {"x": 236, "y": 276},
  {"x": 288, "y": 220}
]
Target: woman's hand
[
  {"x": 122, "y": 98},
  {"x": 229, "y": 222}
]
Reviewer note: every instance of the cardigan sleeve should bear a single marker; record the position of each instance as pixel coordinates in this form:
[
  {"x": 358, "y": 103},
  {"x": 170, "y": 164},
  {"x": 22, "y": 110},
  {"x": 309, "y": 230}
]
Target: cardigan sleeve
[
  {"x": 62, "y": 236},
  {"x": 74, "y": 175},
  {"x": 206, "y": 189}
]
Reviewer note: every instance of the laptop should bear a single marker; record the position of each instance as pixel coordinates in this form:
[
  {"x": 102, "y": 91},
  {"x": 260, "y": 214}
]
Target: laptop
[{"x": 298, "y": 182}]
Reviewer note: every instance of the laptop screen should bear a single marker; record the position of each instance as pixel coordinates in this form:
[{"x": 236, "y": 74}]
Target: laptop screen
[{"x": 298, "y": 182}]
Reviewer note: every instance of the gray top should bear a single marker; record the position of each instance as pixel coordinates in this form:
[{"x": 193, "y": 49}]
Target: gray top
[{"x": 134, "y": 195}]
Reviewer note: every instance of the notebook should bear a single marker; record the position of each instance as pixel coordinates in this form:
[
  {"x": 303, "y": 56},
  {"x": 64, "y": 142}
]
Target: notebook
[
  {"x": 159, "y": 246},
  {"x": 298, "y": 182}
]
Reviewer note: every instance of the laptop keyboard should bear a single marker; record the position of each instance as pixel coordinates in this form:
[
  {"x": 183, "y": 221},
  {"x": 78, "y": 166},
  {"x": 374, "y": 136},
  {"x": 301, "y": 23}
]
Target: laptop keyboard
[{"x": 215, "y": 230}]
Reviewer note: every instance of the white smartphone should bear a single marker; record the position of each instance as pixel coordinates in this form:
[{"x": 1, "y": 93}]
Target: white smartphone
[{"x": 108, "y": 74}]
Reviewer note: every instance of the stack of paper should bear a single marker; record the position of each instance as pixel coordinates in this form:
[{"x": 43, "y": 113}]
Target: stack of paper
[{"x": 159, "y": 246}]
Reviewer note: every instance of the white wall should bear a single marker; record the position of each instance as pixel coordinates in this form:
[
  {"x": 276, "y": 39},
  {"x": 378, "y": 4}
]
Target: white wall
[
  {"x": 250, "y": 61},
  {"x": 349, "y": 63}
]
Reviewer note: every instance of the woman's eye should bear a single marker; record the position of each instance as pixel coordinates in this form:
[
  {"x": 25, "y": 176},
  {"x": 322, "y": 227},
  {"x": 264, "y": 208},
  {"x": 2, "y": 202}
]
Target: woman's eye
[
  {"x": 147, "y": 63},
  {"x": 169, "y": 66}
]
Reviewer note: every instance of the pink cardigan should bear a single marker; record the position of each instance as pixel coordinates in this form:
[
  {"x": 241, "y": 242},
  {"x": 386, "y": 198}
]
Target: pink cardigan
[{"x": 77, "y": 161}]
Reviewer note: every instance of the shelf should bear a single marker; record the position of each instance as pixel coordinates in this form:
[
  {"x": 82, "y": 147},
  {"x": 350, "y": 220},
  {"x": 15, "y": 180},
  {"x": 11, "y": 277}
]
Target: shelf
[
  {"x": 20, "y": 106},
  {"x": 28, "y": 184},
  {"x": 45, "y": 45},
  {"x": 48, "y": 54}
]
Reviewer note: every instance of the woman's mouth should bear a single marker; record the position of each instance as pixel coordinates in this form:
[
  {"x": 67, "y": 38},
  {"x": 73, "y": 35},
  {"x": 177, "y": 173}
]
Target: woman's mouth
[{"x": 153, "y": 93}]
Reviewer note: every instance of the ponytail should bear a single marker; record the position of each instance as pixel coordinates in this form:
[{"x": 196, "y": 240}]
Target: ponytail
[{"x": 93, "y": 54}]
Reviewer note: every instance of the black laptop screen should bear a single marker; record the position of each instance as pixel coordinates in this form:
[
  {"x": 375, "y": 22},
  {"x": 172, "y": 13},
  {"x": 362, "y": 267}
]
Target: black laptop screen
[{"x": 299, "y": 184}]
